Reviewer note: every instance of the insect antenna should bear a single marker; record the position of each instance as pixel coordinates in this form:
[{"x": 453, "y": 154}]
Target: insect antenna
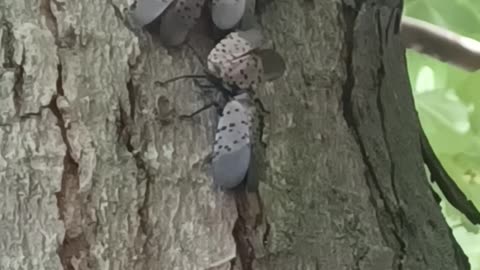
[
  {"x": 185, "y": 116},
  {"x": 180, "y": 78},
  {"x": 192, "y": 76}
]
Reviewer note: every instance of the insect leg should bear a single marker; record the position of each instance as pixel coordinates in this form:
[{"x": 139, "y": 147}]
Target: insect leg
[
  {"x": 160, "y": 83},
  {"x": 200, "y": 85},
  {"x": 199, "y": 110}
]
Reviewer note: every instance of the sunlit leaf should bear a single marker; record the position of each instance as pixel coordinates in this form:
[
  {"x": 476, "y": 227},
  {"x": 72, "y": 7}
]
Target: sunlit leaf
[
  {"x": 445, "y": 119},
  {"x": 450, "y": 111}
]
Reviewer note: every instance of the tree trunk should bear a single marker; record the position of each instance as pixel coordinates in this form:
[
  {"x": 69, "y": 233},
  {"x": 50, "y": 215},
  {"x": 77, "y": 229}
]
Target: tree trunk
[{"x": 98, "y": 172}]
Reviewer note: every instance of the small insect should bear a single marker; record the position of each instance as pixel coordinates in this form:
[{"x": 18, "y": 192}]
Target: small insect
[
  {"x": 238, "y": 60},
  {"x": 238, "y": 63},
  {"x": 179, "y": 16},
  {"x": 232, "y": 148},
  {"x": 236, "y": 66}
]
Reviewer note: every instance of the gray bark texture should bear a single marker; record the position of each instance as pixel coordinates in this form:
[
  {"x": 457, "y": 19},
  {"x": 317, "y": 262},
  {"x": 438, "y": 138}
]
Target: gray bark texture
[{"x": 97, "y": 171}]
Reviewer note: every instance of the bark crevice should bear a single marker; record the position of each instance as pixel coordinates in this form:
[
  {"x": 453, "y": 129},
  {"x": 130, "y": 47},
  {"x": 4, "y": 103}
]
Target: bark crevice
[
  {"x": 127, "y": 120},
  {"x": 75, "y": 244},
  {"x": 247, "y": 232},
  {"x": 7, "y": 45},
  {"x": 399, "y": 217},
  {"x": 386, "y": 215},
  {"x": 245, "y": 250},
  {"x": 51, "y": 20},
  {"x": 18, "y": 84},
  {"x": 131, "y": 98}
]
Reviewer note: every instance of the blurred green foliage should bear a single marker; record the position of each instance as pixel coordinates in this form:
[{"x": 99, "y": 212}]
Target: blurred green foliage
[{"x": 448, "y": 103}]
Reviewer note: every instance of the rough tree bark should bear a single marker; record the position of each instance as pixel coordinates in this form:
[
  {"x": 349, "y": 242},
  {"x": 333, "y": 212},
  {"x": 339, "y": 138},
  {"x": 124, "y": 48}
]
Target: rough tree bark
[{"x": 98, "y": 172}]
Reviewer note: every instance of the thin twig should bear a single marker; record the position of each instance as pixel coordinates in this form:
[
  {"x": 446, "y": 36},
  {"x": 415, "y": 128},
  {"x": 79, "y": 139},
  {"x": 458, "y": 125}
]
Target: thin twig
[{"x": 441, "y": 44}]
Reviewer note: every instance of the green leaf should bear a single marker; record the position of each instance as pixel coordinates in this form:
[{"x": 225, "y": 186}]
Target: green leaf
[
  {"x": 445, "y": 119},
  {"x": 448, "y": 103},
  {"x": 469, "y": 91}
]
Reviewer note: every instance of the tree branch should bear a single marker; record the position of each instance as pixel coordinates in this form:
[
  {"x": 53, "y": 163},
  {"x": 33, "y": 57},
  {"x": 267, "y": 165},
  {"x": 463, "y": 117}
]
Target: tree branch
[
  {"x": 441, "y": 44},
  {"x": 447, "y": 185}
]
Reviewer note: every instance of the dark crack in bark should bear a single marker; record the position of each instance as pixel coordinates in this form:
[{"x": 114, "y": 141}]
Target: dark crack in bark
[
  {"x": 349, "y": 17},
  {"x": 386, "y": 216},
  {"x": 142, "y": 172},
  {"x": 243, "y": 231},
  {"x": 359, "y": 256},
  {"x": 383, "y": 39},
  {"x": 7, "y": 44},
  {"x": 74, "y": 245},
  {"x": 380, "y": 76},
  {"x": 131, "y": 98},
  {"x": 18, "y": 85},
  {"x": 30, "y": 115},
  {"x": 266, "y": 234},
  {"x": 125, "y": 19},
  {"x": 261, "y": 122},
  {"x": 125, "y": 133},
  {"x": 244, "y": 248},
  {"x": 233, "y": 263},
  {"x": 116, "y": 10},
  {"x": 50, "y": 19}
]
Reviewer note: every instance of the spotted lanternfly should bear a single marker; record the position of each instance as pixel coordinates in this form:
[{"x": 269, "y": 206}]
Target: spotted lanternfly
[
  {"x": 236, "y": 67},
  {"x": 232, "y": 149},
  {"x": 179, "y": 16},
  {"x": 238, "y": 63},
  {"x": 177, "y": 21},
  {"x": 238, "y": 60}
]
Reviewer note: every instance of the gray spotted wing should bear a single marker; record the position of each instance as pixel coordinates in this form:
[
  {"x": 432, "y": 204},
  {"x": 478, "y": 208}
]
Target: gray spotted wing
[
  {"x": 227, "y": 13},
  {"x": 232, "y": 149},
  {"x": 146, "y": 11},
  {"x": 233, "y": 46},
  {"x": 178, "y": 20},
  {"x": 245, "y": 72}
]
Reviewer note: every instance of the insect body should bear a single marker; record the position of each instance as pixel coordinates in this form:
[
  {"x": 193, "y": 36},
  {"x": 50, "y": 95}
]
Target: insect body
[
  {"x": 232, "y": 149},
  {"x": 239, "y": 62},
  {"x": 236, "y": 67},
  {"x": 146, "y": 11},
  {"x": 227, "y": 13},
  {"x": 179, "y": 16}
]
